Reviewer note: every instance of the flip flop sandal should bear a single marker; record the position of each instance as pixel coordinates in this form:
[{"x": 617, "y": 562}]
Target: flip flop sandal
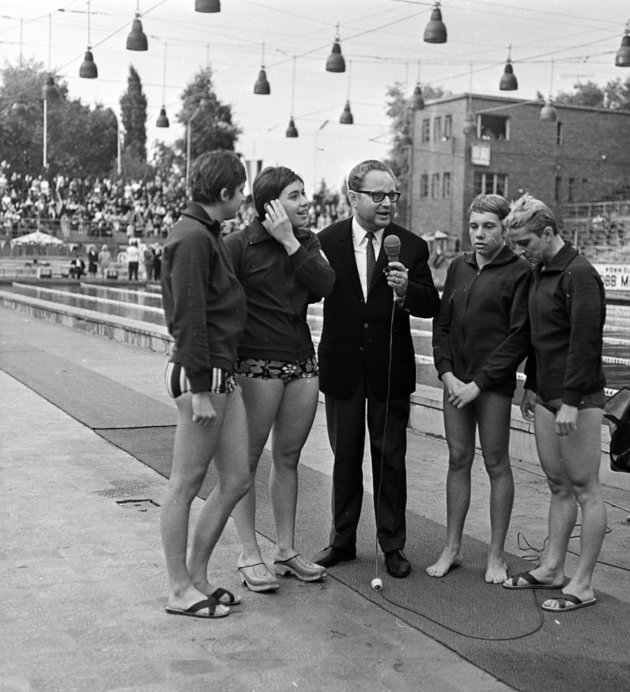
[
  {"x": 221, "y": 593},
  {"x": 208, "y": 604},
  {"x": 530, "y": 583},
  {"x": 567, "y": 602}
]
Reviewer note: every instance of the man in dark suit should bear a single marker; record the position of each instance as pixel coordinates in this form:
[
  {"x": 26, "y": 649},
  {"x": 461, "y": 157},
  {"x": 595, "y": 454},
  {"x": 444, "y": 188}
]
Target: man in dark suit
[{"x": 366, "y": 354}]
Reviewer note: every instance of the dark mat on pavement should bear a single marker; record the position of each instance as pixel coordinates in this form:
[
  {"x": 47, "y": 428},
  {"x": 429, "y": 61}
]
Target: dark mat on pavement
[
  {"x": 503, "y": 632},
  {"x": 93, "y": 399}
]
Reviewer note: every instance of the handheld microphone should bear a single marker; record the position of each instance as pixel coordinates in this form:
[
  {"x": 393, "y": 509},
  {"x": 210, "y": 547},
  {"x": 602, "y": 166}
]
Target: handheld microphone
[{"x": 392, "y": 247}]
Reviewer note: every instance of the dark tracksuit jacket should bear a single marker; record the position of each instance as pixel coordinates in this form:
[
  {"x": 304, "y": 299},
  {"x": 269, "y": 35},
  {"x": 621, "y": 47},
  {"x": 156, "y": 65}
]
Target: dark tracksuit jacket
[
  {"x": 279, "y": 288},
  {"x": 204, "y": 303},
  {"x": 481, "y": 332},
  {"x": 567, "y": 309}
]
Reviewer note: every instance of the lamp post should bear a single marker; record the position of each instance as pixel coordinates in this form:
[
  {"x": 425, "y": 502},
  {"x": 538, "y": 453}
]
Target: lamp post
[{"x": 49, "y": 92}]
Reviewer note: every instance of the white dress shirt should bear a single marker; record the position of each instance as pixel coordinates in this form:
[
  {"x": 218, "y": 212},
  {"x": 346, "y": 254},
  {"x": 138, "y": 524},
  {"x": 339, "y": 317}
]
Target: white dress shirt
[{"x": 360, "y": 241}]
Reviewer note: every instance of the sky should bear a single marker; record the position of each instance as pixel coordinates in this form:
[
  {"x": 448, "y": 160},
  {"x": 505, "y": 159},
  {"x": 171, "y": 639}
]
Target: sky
[{"x": 553, "y": 45}]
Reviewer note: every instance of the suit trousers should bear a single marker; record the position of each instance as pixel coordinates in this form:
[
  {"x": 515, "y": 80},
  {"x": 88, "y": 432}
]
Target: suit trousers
[{"x": 387, "y": 427}]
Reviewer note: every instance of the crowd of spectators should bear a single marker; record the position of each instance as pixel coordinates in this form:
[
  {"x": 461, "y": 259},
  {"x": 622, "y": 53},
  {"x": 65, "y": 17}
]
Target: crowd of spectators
[{"x": 103, "y": 207}]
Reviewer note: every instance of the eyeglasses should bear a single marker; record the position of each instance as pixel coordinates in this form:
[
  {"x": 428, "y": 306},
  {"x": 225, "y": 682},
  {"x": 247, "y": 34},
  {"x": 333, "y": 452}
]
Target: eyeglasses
[{"x": 378, "y": 197}]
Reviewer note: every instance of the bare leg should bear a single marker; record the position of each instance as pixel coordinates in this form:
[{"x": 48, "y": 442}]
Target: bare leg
[
  {"x": 459, "y": 425},
  {"x": 493, "y": 416},
  {"x": 581, "y": 456},
  {"x": 193, "y": 450},
  {"x": 292, "y": 426},
  {"x": 231, "y": 462},
  {"x": 262, "y": 399},
  {"x": 562, "y": 506}
]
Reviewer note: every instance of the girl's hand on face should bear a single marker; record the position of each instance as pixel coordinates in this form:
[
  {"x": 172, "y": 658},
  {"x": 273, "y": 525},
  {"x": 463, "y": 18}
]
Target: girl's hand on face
[{"x": 279, "y": 227}]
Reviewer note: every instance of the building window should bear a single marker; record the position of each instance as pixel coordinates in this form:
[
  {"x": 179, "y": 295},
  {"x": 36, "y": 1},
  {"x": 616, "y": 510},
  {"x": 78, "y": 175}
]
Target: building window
[
  {"x": 558, "y": 189},
  {"x": 491, "y": 183},
  {"x": 559, "y": 133},
  {"x": 437, "y": 129},
  {"x": 435, "y": 185},
  {"x": 424, "y": 185},
  {"x": 426, "y": 130},
  {"x": 494, "y": 126},
  {"x": 446, "y": 185},
  {"x": 448, "y": 126},
  {"x": 571, "y": 192}
]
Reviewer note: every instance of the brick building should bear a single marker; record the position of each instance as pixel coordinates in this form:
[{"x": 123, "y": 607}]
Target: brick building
[{"x": 584, "y": 156}]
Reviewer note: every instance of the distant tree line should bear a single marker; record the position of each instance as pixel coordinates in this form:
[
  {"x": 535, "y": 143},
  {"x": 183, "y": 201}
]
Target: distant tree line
[{"x": 82, "y": 141}]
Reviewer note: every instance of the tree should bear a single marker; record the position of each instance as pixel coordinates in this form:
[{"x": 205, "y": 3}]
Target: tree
[
  {"x": 400, "y": 110},
  {"x": 614, "y": 96},
  {"x": 618, "y": 94},
  {"x": 133, "y": 105},
  {"x": 211, "y": 125},
  {"x": 80, "y": 141},
  {"x": 588, "y": 94}
]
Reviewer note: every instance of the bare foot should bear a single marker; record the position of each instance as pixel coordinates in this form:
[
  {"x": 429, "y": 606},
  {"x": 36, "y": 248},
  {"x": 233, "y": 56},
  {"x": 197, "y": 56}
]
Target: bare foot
[
  {"x": 496, "y": 572},
  {"x": 444, "y": 564}
]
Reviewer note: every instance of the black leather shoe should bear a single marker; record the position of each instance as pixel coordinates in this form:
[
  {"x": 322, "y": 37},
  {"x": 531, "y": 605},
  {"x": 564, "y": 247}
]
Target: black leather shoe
[
  {"x": 397, "y": 564},
  {"x": 332, "y": 555}
]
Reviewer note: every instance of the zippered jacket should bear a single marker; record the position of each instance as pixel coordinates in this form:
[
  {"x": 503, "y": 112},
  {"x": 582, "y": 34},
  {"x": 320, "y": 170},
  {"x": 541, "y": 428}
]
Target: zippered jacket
[
  {"x": 481, "y": 333},
  {"x": 567, "y": 308},
  {"x": 204, "y": 303},
  {"x": 279, "y": 288}
]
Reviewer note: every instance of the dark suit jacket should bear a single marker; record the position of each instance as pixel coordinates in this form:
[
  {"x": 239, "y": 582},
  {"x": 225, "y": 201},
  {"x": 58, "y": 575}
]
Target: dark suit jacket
[{"x": 355, "y": 334}]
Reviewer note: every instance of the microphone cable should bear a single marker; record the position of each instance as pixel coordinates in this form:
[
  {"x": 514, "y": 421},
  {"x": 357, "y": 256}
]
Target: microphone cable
[{"x": 377, "y": 584}]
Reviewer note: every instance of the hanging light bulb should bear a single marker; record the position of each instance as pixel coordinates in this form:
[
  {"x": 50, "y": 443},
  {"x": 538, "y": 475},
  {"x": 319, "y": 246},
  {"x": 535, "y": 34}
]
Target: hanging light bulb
[
  {"x": 622, "y": 59},
  {"x": 262, "y": 85},
  {"x": 207, "y": 5},
  {"x": 137, "y": 39},
  {"x": 88, "y": 69},
  {"x": 162, "y": 120},
  {"x": 346, "y": 117},
  {"x": 548, "y": 111},
  {"x": 435, "y": 30},
  {"x": 335, "y": 62},
  {"x": 418, "y": 99},
  {"x": 508, "y": 79},
  {"x": 470, "y": 124},
  {"x": 50, "y": 91},
  {"x": 291, "y": 130}
]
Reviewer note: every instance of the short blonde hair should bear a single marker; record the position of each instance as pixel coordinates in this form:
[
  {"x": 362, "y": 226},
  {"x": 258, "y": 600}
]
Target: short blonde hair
[{"x": 530, "y": 212}]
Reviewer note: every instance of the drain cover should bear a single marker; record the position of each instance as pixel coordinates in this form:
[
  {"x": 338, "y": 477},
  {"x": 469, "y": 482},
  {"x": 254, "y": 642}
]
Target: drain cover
[{"x": 141, "y": 505}]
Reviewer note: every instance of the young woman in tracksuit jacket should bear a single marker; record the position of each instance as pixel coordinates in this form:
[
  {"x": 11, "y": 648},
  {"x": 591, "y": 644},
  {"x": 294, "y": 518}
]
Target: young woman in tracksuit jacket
[
  {"x": 564, "y": 397},
  {"x": 480, "y": 336},
  {"x": 282, "y": 269},
  {"x": 205, "y": 310}
]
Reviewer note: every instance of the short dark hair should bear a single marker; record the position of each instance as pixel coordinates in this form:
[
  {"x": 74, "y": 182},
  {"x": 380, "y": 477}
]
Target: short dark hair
[
  {"x": 358, "y": 173},
  {"x": 532, "y": 214},
  {"x": 212, "y": 172},
  {"x": 490, "y": 204},
  {"x": 268, "y": 185}
]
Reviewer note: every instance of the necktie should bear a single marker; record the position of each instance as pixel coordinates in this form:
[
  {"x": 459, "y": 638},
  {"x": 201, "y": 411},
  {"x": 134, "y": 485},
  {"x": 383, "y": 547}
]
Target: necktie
[{"x": 370, "y": 259}]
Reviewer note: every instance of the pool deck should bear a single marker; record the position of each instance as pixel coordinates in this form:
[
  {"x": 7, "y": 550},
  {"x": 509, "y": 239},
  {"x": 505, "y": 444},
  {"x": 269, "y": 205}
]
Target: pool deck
[{"x": 84, "y": 582}]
